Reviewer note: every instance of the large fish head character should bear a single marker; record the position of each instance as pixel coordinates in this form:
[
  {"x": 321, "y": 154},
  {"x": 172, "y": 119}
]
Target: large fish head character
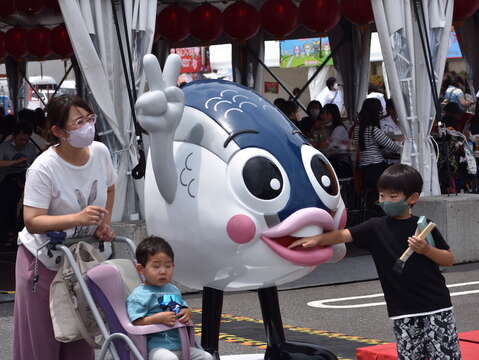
[{"x": 248, "y": 184}]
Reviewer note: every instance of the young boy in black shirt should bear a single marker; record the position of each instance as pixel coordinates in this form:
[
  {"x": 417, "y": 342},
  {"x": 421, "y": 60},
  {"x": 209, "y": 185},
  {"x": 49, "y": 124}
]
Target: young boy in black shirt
[{"x": 418, "y": 300}]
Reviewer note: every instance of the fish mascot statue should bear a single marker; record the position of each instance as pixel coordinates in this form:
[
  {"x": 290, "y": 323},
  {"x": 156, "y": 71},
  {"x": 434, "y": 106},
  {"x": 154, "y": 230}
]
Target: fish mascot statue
[{"x": 230, "y": 183}]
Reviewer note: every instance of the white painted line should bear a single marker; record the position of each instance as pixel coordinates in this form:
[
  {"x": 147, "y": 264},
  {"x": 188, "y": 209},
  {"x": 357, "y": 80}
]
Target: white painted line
[{"x": 325, "y": 304}]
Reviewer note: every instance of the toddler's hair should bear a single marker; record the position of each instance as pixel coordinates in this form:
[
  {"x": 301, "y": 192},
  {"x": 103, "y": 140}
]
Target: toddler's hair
[{"x": 151, "y": 246}]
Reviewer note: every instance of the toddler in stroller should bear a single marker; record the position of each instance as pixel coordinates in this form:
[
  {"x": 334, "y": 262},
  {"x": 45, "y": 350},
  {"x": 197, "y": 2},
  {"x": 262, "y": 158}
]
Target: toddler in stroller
[{"x": 106, "y": 287}]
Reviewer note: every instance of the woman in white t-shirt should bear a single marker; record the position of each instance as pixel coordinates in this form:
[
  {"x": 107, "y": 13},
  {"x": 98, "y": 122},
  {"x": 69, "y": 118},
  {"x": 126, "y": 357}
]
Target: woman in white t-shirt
[{"x": 69, "y": 187}]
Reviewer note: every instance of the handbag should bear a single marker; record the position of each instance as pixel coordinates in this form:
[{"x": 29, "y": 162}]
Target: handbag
[{"x": 71, "y": 316}]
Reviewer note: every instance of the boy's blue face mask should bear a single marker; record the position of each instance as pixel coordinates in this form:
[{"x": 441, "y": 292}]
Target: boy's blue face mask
[{"x": 394, "y": 208}]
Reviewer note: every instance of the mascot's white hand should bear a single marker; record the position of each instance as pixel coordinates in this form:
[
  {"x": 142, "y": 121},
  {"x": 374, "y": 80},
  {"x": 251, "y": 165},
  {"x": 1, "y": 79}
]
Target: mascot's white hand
[{"x": 161, "y": 108}]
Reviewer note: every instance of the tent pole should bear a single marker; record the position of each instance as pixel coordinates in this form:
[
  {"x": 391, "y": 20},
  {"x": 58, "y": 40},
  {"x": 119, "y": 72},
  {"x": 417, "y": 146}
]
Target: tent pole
[
  {"x": 125, "y": 29},
  {"x": 139, "y": 170},
  {"x": 276, "y": 78},
  {"x": 33, "y": 88},
  {"x": 62, "y": 80}
]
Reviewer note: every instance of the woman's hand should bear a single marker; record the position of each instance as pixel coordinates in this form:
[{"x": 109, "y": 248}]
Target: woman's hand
[
  {"x": 104, "y": 232},
  {"x": 91, "y": 215},
  {"x": 184, "y": 315}
]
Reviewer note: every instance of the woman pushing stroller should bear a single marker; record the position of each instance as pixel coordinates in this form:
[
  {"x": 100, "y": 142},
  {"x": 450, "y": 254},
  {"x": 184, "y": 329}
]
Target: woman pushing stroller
[{"x": 69, "y": 187}]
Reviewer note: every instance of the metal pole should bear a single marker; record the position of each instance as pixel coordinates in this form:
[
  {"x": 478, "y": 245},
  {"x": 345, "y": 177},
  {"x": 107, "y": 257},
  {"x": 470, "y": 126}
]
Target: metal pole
[
  {"x": 62, "y": 80},
  {"x": 125, "y": 28},
  {"x": 276, "y": 78},
  {"x": 139, "y": 170},
  {"x": 88, "y": 298},
  {"x": 34, "y": 90}
]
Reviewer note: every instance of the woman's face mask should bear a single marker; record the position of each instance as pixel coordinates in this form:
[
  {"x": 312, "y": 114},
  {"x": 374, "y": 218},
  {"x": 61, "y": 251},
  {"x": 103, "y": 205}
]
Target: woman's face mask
[{"x": 84, "y": 135}]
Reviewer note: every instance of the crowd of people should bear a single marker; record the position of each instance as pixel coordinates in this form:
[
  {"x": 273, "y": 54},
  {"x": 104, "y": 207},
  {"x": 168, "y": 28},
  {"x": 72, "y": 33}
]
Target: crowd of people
[
  {"x": 365, "y": 146},
  {"x": 22, "y": 138}
]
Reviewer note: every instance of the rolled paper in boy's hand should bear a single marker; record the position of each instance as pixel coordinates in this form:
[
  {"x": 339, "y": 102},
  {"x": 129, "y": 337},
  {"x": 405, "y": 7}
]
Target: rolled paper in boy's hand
[{"x": 399, "y": 265}]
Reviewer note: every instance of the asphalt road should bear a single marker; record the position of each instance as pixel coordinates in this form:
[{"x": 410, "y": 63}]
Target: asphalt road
[{"x": 341, "y": 329}]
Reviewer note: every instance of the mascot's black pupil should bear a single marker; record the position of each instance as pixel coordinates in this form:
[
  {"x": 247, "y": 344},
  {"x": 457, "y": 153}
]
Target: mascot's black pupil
[
  {"x": 262, "y": 178},
  {"x": 324, "y": 174}
]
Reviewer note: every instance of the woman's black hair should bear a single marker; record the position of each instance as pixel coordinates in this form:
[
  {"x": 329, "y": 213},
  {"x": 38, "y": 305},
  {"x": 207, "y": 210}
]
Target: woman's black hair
[
  {"x": 58, "y": 109},
  {"x": 312, "y": 104},
  {"x": 334, "y": 111},
  {"x": 369, "y": 116},
  {"x": 151, "y": 246}
]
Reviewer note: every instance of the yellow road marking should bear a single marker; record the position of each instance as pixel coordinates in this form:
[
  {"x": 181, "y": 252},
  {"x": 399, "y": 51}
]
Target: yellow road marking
[{"x": 304, "y": 330}]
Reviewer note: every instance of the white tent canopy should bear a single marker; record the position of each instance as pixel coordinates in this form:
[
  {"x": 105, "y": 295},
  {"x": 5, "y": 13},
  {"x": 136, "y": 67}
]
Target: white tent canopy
[
  {"x": 90, "y": 24},
  {"x": 406, "y": 67}
]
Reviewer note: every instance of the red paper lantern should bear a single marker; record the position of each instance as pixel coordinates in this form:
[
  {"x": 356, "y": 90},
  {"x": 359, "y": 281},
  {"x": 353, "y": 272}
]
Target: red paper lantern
[
  {"x": 38, "y": 42},
  {"x": 241, "y": 20},
  {"x": 279, "y": 17},
  {"x": 16, "y": 42},
  {"x": 173, "y": 23},
  {"x": 464, "y": 9},
  {"x": 359, "y": 12},
  {"x": 7, "y": 8},
  {"x": 29, "y": 7},
  {"x": 52, "y": 4},
  {"x": 3, "y": 50},
  {"x": 60, "y": 41},
  {"x": 319, "y": 15},
  {"x": 206, "y": 22}
]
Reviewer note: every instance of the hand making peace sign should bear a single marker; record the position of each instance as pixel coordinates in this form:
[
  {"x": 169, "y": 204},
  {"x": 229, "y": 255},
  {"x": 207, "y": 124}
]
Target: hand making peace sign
[{"x": 161, "y": 108}]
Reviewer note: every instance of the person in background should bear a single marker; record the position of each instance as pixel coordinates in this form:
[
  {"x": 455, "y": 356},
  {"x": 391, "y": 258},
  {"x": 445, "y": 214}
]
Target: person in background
[
  {"x": 389, "y": 124},
  {"x": 7, "y": 126},
  {"x": 37, "y": 137},
  {"x": 454, "y": 94},
  {"x": 15, "y": 157},
  {"x": 307, "y": 122},
  {"x": 331, "y": 94},
  {"x": 290, "y": 109},
  {"x": 371, "y": 141},
  {"x": 374, "y": 92},
  {"x": 321, "y": 129},
  {"x": 279, "y": 103},
  {"x": 454, "y": 117},
  {"x": 69, "y": 187},
  {"x": 338, "y": 143},
  {"x": 295, "y": 93}
]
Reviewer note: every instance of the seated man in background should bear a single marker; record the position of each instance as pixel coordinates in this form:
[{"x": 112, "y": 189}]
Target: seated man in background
[{"x": 16, "y": 156}]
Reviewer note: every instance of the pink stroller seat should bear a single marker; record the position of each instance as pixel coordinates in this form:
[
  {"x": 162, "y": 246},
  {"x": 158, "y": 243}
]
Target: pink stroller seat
[{"x": 110, "y": 284}]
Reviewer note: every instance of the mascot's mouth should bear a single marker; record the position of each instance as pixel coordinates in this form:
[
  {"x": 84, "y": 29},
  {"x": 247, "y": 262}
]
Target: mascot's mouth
[{"x": 302, "y": 223}]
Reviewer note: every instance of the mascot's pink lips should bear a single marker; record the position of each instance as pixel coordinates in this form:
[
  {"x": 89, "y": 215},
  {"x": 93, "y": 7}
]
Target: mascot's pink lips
[{"x": 280, "y": 236}]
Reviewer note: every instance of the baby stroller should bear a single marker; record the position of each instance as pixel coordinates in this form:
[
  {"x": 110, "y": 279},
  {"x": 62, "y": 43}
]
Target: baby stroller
[{"x": 106, "y": 287}]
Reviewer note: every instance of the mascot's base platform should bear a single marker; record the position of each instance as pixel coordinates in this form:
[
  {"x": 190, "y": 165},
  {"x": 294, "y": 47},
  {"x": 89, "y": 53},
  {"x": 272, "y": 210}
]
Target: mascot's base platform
[{"x": 468, "y": 341}]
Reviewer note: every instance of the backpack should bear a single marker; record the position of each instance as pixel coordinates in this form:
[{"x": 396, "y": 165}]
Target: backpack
[{"x": 71, "y": 316}]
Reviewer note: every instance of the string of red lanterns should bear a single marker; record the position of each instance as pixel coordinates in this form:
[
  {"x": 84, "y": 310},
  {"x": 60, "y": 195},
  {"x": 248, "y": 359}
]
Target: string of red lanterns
[
  {"x": 464, "y": 9},
  {"x": 38, "y": 42},
  {"x": 239, "y": 20}
]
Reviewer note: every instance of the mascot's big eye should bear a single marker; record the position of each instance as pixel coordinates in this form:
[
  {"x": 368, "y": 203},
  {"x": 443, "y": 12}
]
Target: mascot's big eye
[
  {"x": 262, "y": 178},
  {"x": 258, "y": 181},
  {"x": 321, "y": 175},
  {"x": 324, "y": 175}
]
